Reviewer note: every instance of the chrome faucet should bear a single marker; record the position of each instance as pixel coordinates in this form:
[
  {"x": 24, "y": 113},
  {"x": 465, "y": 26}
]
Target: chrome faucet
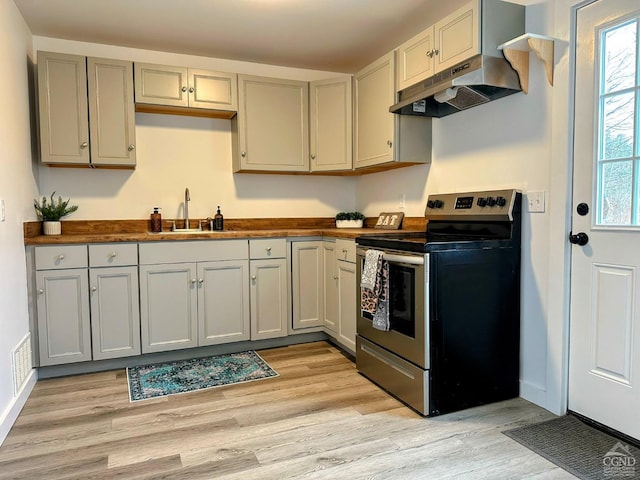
[{"x": 187, "y": 199}]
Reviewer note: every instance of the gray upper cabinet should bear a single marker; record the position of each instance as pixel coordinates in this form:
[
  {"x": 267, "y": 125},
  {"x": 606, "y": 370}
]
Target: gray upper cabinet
[
  {"x": 381, "y": 137},
  {"x": 268, "y": 109},
  {"x": 331, "y": 131},
  {"x": 185, "y": 87},
  {"x": 86, "y": 110},
  {"x": 64, "y": 113},
  {"x": 111, "y": 112}
]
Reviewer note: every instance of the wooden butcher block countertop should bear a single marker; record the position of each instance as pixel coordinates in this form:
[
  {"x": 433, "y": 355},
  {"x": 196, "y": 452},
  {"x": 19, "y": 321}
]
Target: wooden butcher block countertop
[{"x": 106, "y": 231}]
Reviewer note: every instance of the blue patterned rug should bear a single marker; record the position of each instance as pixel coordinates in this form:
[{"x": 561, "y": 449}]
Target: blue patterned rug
[{"x": 157, "y": 380}]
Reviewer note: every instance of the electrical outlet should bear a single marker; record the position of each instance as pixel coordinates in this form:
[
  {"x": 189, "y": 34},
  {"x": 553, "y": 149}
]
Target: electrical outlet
[
  {"x": 535, "y": 202},
  {"x": 2, "y": 211}
]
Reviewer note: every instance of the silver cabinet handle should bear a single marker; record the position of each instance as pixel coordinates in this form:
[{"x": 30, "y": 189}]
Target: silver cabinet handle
[
  {"x": 191, "y": 90},
  {"x": 430, "y": 54},
  {"x": 113, "y": 254},
  {"x": 184, "y": 89},
  {"x": 201, "y": 281},
  {"x": 313, "y": 156},
  {"x": 390, "y": 143},
  {"x": 193, "y": 281},
  {"x": 268, "y": 249},
  {"x": 335, "y": 277},
  {"x": 41, "y": 291},
  {"x": 244, "y": 154},
  {"x": 61, "y": 257},
  {"x": 94, "y": 288},
  {"x": 436, "y": 51},
  {"x": 344, "y": 250},
  {"x": 84, "y": 145},
  {"x": 132, "y": 147},
  {"x": 253, "y": 277}
]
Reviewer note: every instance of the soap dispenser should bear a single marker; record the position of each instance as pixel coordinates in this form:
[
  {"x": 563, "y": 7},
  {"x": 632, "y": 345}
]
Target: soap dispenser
[
  {"x": 218, "y": 220},
  {"x": 156, "y": 220}
]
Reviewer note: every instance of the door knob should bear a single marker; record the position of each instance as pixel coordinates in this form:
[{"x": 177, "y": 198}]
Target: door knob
[{"x": 580, "y": 238}]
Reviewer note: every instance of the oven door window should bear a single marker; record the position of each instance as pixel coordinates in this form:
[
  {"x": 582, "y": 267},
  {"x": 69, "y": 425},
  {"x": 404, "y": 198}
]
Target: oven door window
[{"x": 402, "y": 299}]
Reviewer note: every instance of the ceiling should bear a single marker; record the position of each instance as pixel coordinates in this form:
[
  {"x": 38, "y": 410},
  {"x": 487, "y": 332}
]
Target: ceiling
[{"x": 330, "y": 35}]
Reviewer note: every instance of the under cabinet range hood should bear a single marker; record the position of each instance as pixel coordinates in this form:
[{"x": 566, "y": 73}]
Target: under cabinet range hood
[{"x": 479, "y": 80}]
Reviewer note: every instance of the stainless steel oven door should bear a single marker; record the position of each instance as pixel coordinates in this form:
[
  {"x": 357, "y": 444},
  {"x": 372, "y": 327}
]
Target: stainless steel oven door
[{"x": 408, "y": 336}]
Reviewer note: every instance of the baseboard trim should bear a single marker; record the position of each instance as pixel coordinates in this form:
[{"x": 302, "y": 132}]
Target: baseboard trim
[
  {"x": 533, "y": 393},
  {"x": 14, "y": 408}
]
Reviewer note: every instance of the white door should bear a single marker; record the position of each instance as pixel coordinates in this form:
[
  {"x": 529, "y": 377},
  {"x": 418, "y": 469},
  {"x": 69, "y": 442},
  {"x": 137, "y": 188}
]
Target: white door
[{"x": 604, "y": 365}]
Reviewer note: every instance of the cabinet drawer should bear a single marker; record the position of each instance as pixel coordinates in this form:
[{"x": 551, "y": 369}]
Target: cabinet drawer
[
  {"x": 346, "y": 250},
  {"x": 268, "y": 248},
  {"x": 194, "y": 251},
  {"x": 52, "y": 257},
  {"x": 113, "y": 255}
]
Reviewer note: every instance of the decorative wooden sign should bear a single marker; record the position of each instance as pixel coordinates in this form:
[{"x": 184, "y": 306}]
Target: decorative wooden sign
[{"x": 390, "y": 221}]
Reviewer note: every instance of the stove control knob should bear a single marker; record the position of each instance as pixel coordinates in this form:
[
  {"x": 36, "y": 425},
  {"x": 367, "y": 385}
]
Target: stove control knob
[
  {"x": 501, "y": 201},
  {"x": 430, "y": 204},
  {"x": 491, "y": 201},
  {"x": 438, "y": 204},
  {"x": 482, "y": 202}
]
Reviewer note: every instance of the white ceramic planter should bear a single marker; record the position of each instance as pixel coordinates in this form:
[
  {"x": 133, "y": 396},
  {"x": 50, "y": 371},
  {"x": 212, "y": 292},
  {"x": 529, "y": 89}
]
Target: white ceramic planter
[
  {"x": 52, "y": 228},
  {"x": 349, "y": 223}
]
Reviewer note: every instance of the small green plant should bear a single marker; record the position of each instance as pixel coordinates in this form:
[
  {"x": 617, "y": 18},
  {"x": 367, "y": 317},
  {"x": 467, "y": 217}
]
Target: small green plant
[
  {"x": 54, "y": 209},
  {"x": 349, "y": 216}
]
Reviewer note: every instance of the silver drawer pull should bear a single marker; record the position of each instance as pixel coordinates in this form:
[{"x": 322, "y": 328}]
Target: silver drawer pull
[
  {"x": 268, "y": 249},
  {"x": 94, "y": 288},
  {"x": 253, "y": 277},
  {"x": 41, "y": 291},
  {"x": 113, "y": 254},
  {"x": 61, "y": 257}
]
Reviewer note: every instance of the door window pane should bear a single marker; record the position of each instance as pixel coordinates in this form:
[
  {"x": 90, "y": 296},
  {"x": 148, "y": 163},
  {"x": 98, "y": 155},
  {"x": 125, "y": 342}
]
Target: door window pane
[
  {"x": 618, "y": 176},
  {"x": 617, "y": 189}
]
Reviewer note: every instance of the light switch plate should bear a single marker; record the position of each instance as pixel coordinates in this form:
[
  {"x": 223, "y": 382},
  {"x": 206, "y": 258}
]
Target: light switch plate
[{"x": 535, "y": 202}]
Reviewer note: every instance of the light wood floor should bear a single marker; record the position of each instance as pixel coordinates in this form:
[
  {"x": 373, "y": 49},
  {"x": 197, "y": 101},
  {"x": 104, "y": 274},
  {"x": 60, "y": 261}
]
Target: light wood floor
[{"x": 318, "y": 419}]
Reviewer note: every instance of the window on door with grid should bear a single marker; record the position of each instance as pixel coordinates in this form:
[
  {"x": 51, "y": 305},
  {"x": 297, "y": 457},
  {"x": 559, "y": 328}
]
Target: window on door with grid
[{"x": 618, "y": 162}]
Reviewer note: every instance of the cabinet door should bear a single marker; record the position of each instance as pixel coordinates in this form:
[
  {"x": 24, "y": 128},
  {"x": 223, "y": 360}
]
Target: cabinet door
[
  {"x": 64, "y": 333},
  {"x": 111, "y": 112},
  {"x": 307, "y": 278},
  {"x": 347, "y": 304},
  {"x": 168, "y": 307},
  {"x": 375, "y": 93},
  {"x": 223, "y": 302},
  {"x": 115, "y": 312},
  {"x": 161, "y": 85},
  {"x": 416, "y": 59},
  {"x": 272, "y": 125},
  {"x": 213, "y": 90},
  {"x": 62, "y": 95},
  {"x": 269, "y": 298},
  {"x": 330, "y": 122},
  {"x": 457, "y": 36},
  {"x": 330, "y": 287}
]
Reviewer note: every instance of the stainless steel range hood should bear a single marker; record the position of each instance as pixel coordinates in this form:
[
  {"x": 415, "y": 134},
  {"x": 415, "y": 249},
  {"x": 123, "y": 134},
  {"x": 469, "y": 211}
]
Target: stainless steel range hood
[{"x": 479, "y": 80}]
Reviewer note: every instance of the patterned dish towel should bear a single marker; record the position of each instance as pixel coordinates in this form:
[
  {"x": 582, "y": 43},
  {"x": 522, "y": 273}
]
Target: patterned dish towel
[{"x": 374, "y": 292}]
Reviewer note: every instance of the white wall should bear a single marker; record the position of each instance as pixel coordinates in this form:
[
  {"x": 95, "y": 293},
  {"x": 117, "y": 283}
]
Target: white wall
[
  {"x": 17, "y": 189},
  {"x": 176, "y": 152},
  {"x": 502, "y": 144}
]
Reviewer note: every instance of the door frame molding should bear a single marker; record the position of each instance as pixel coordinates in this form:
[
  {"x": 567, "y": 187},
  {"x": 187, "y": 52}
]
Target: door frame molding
[{"x": 565, "y": 15}]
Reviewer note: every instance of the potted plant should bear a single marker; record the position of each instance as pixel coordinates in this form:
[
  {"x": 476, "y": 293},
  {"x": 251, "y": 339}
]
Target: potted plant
[
  {"x": 349, "y": 220},
  {"x": 51, "y": 211}
]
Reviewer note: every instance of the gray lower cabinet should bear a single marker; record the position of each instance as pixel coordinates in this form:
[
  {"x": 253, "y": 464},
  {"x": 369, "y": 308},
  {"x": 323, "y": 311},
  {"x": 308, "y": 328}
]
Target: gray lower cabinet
[
  {"x": 62, "y": 304},
  {"x": 269, "y": 288},
  {"x": 345, "y": 327},
  {"x": 223, "y": 306},
  {"x": 193, "y": 293},
  {"x": 307, "y": 273},
  {"x": 114, "y": 299},
  {"x": 115, "y": 312},
  {"x": 168, "y": 306},
  {"x": 330, "y": 287}
]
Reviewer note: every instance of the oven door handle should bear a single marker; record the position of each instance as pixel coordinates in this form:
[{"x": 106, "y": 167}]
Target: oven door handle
[{"x": 410, "y": 259}]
